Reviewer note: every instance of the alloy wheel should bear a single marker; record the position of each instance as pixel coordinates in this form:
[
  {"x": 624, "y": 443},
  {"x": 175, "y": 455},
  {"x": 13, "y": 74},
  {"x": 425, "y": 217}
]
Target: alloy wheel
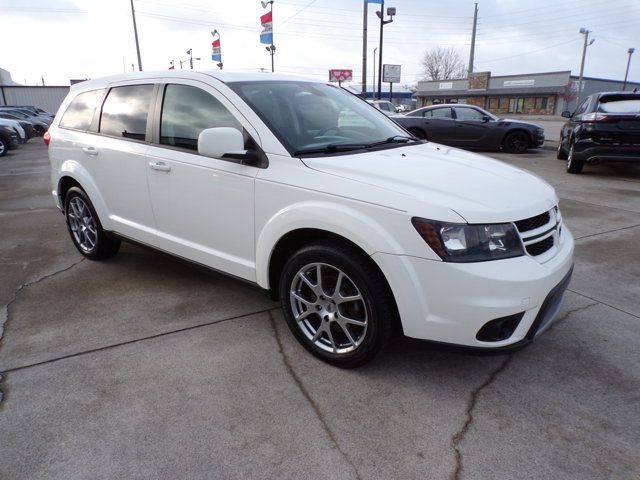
[
  {"x": 82, "y": 224},
  {"x": 328, "y": 308}
]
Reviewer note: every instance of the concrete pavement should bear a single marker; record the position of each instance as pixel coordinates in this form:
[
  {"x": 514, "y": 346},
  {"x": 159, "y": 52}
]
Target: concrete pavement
[{"x": 147, "y": 367}]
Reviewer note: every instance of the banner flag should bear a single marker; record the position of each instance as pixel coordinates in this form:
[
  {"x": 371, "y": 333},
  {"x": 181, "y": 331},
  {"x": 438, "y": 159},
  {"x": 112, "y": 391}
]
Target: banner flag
[
  {"x": 373, "y": 1},
  {"x": 216, "y": 54},
  {"x": 266, "y": 36}
]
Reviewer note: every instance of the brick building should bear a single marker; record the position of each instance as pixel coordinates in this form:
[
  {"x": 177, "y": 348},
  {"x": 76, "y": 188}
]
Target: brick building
[{"x": 546, "y": 93}]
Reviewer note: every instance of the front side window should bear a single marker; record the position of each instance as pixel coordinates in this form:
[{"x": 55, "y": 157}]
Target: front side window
[
  {"x": 307, "y": 117},
  {"x": 468, "y": 114},
  {"x": 125, "y": 111},
  {"x": 79, "y": 114},
  {"x": 186, "y": 111}
]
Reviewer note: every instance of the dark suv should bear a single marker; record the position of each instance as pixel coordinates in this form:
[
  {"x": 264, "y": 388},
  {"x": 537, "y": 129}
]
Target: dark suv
[{"x": 604, "y": 128}]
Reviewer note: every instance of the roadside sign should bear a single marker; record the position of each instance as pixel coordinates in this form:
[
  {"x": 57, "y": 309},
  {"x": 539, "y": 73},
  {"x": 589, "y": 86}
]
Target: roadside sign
[
  {"x": 340, "y": 75},
  {"x": 391, "y": 73}
]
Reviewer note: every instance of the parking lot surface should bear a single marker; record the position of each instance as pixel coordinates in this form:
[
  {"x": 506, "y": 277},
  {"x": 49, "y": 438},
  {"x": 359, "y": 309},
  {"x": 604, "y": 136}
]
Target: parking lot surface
[{"x": 145, "y": 366}]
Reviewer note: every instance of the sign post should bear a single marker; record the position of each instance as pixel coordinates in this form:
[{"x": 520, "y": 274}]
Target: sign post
[
  {"x": 340, "y": 75},
  {"x": 391, "y": 75}
]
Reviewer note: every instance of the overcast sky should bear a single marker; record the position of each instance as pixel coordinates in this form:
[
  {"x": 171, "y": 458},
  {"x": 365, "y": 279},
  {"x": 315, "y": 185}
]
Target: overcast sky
[{"x": 92, "y": 38}]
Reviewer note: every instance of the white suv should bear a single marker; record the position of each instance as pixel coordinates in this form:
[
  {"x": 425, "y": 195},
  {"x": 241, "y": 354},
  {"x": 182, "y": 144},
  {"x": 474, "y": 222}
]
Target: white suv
[{"x": 311, "y": 193}]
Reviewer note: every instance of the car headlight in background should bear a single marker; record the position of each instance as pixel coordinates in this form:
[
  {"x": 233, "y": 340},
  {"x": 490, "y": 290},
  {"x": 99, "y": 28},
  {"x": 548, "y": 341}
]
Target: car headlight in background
[{"x": 460, "y": 242}]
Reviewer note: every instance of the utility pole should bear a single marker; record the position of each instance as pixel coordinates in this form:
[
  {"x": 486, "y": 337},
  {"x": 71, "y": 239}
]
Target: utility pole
[
  {"x": 375, "y": 50},
  {"x": 626, "y": 73},
  {"x": 587, "y": 43},
  {"x": 473, "y": 38},
  {"x": 135, "y": 33},
  {"x": 391, "y": 12},
  {"x": 364, "y": 53}
]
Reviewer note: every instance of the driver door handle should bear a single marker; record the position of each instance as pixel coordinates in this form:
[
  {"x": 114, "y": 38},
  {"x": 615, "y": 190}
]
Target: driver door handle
[{"x": 160, "y": 166}]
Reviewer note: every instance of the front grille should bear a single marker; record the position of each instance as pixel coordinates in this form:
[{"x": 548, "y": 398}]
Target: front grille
[
  {"x": 532, "y": 223},
  {"x": 539, "y": 248}
]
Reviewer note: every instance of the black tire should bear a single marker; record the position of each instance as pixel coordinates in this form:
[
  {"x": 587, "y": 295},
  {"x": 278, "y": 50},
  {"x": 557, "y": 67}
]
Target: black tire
[
  {"x": 4, "y": 147},
  {"x": 416, "y": 132},
  {"x": 93, "y": 243},
  {"x": 574, "y": 165},
  {"x": 516, "y": 142},
  {"x": 376, "y": 303},
  {"x": 561, "y": 154}
]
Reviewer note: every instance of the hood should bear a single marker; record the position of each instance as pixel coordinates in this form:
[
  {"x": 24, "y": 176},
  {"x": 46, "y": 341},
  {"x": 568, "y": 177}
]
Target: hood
[{"x": 478, "y": 188}]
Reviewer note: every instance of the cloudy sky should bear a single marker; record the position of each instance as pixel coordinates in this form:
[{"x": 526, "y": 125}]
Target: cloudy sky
[{"x": 90, "y": 38}]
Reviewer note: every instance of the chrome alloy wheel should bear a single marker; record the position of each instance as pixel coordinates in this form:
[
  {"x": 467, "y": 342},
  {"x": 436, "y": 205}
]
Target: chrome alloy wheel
[
  {"x": 328, "y": 308},
  {"x": 82, "y": 224}
]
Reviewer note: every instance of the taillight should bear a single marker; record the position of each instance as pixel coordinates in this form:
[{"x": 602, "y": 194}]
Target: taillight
[
  {"x": 47, "y": 138},
  {"x": 595, "y": 117}
]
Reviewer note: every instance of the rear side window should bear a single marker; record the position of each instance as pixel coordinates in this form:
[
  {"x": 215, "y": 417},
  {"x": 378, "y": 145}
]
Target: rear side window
[
  {"x": 620, "y": 106},
  {"x": 125, "y": 111},
  {"x": 79, "y": 114},
  {"x": 186, "y": 111}
]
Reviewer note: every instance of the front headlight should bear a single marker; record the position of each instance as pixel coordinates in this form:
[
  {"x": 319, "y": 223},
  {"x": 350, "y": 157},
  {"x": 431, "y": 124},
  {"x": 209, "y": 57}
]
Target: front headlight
[{"x": 460, "y": 242}]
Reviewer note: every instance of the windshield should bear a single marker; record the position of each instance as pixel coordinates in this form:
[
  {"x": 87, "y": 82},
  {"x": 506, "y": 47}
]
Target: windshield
[{"x": 312, "y": 117}]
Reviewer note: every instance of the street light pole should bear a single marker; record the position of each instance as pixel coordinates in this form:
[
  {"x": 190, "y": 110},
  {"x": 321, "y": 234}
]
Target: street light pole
[
  {"x": 135, "y": 33},
  {"x": 626, "y": 73},
  {"x": 391, "y": 12},
  {"x": 587, "y": 43},
  {"x": 373, "y": 85}
]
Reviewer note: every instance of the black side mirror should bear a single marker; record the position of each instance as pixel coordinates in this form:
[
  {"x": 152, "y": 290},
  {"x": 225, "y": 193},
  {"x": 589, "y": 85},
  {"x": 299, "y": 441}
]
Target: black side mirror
[
  {"x": 485, "y": 118},
  {"x": 566, "y": 114}
]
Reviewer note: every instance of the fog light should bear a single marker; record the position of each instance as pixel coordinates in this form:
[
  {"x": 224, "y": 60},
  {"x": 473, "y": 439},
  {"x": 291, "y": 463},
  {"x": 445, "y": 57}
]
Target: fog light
[{"x": 500, "y": 328}]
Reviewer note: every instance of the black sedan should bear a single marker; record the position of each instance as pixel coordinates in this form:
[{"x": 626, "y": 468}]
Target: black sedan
[
  {"x": 471, "y": 127},
  {"x": 604, "y": 128}
]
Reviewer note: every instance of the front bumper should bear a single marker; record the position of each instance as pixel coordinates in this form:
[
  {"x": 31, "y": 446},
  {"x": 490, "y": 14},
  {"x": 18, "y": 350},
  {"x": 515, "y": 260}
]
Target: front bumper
[
  {"x": 538, "y": 140},
  {"x": 449, "y": 303}
]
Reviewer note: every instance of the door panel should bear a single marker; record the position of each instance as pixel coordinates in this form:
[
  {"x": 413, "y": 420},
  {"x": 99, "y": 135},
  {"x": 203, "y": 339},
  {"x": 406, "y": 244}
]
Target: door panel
[
  {"x": 439, "y": 124},
  {"x": 203, "y": 207},
  {"x": 470, "y": 129}
]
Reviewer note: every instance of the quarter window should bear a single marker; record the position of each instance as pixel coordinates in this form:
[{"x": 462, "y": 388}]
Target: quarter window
[
  {"x": 125, "y": 111},
  {"x": 186, "y": 111},
  {"x": 79, "y": 114}
]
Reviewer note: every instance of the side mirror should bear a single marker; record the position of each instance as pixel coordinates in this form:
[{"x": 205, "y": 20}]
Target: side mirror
[
  {"x": 566, "y": 114},
  {"x": 485, "y": 118},
  {"x": 219, "y": 141}
]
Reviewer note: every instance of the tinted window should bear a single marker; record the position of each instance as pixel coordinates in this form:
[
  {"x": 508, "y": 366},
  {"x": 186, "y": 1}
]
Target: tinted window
[
  {"x": 438, "y": 113},
  {"x": 582, "y": 108},
  {"x": 125, "y": 111},
  {"x": 468, "y": 114},
  {"x": 80, "y": 112},
  {"x": 186, "y": 111},
  {"x": 620, "y": 106}
]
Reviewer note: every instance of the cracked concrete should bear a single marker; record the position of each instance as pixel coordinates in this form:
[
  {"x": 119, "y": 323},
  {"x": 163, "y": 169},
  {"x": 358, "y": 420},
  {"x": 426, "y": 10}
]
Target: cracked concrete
[{"x": 146, "y": 367}]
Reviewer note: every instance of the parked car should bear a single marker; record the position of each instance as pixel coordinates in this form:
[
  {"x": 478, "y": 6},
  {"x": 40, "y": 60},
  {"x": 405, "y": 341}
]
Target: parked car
[
  {"x": 387, "y": 107},
  {"x": 34, "y": 110},
  {"x": 38, "y": 126},
  {"x": 305, "y": 190},
  {"x": 31, "y": 116},
  {"x": 9, "y": 139},
  {"x": 22, "y": 135},
  {"x": 604, "y": 128},
  {"x": 471, "y": 127}
]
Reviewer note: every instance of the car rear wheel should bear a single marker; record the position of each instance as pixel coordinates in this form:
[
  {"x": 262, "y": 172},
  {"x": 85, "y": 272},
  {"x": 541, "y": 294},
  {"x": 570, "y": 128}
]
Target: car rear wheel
[
  {"x": 574, "y": 165},
  {"x": 516, "y": 142},
  {"x": 337, "y": 303},
  {"x": 85, "y": 228},
  {"x": 4, "y": 147},
  {"x": 560, "y": 154}
]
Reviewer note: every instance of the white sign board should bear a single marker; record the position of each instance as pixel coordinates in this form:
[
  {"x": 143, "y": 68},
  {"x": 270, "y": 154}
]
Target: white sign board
[
  {"x": 519, "y": 83},
  {"x": 390, "y": 73},
  {"x": 445, "y": 85}
]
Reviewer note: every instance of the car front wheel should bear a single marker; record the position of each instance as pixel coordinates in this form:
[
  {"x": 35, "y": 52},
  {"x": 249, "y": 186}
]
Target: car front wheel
[
  {"x": 337, "y": 303},
  {"x": 4, "y": 147},
  {"x": 516, "y": 142},
  {"x": 85, "y": 228}
]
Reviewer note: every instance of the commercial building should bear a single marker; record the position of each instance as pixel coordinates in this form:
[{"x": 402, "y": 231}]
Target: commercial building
[
  {"x": 48, "y": 98},
  {"x": 547, "y": 93}
]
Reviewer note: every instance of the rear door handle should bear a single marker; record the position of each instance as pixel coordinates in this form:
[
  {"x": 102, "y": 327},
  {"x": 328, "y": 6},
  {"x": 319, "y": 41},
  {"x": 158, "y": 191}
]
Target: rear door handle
[
  {"x": 160, "y": 166},
  {"x": 90, "y": 151}
]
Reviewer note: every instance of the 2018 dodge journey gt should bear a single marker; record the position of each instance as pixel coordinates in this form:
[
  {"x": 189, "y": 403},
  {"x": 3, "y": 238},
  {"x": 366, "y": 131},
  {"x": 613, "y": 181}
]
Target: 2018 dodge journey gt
[{"x": 359, "y": 228}]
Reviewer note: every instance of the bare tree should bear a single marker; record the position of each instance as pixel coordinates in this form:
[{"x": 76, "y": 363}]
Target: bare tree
[{"x": 443, "y": 64}]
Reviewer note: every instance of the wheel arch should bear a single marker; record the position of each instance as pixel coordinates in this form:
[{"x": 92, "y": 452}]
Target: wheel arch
[
  {"x": 528, "y": 133},
  {"x": 73, "y": 174}
]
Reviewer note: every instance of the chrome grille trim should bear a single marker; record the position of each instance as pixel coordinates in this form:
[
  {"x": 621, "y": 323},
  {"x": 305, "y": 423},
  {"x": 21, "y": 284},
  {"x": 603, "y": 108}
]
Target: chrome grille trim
[{"x": 536, "y": 239}]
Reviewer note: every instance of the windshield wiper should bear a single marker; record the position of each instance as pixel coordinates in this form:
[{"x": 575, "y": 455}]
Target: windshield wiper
[
  {"x": 346, "y": 147},
  {"x": 394, "y": 139}
]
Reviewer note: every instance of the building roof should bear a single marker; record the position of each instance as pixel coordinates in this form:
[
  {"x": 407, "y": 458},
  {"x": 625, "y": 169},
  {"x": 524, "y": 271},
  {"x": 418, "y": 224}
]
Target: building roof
[{"x": 551, "y": 90}]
